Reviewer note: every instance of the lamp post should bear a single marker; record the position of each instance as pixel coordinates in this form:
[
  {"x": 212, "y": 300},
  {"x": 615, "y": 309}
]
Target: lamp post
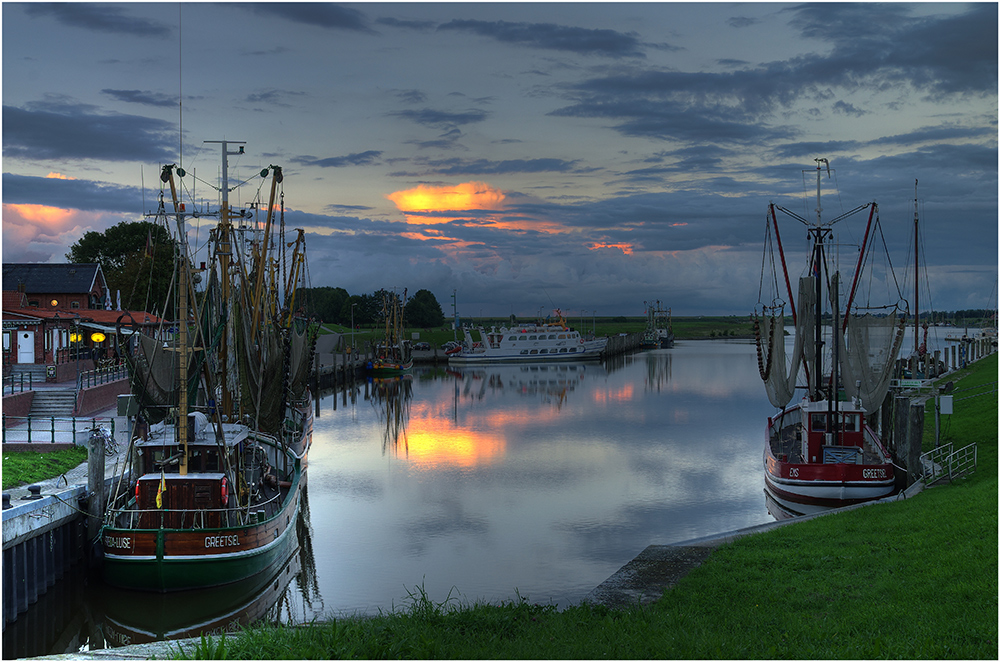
[{"x": 78, "y": 337}]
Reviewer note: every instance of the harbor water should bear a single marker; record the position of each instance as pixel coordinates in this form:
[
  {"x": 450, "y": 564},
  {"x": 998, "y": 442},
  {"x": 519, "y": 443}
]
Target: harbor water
[{"x": 477, "y": 484}]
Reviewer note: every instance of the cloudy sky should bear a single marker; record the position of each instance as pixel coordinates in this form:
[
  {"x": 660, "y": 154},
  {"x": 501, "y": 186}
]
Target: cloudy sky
[{"x": 586, "y": 156}]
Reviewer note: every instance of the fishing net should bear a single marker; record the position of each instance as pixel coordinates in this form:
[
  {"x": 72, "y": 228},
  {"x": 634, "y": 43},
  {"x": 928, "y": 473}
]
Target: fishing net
[
  {"x": 867, "y": 356},
  {"x": 780, "y": 374}
]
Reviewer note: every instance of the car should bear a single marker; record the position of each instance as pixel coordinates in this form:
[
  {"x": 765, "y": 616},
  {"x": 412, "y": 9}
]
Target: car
[{"x": 421, "y": 345}]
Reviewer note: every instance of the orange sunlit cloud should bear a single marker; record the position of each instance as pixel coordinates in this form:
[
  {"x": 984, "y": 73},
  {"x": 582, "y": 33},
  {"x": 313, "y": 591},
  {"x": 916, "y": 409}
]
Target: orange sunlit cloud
[
  {"x": 58, "y": 175},
  {"x": 422, "y": 200},
  {"x": 41, "y": 213},
  {"x": 624, "y": 248}
]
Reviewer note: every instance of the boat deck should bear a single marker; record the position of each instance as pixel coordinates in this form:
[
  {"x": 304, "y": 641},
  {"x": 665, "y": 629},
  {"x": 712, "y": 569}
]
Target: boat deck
[{"x": 788, "y": 443}]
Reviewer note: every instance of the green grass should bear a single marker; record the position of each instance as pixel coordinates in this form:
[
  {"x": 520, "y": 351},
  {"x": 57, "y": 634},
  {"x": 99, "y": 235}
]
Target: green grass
[
  {"x": 30, "y": 467},
  {"x": 916, "y": 579}
]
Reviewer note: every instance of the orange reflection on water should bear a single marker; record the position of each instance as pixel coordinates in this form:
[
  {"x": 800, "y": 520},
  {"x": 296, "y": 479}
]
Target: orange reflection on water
[
  {"x": 434, "y": 443},
  {"x": 624, "y": 393}
]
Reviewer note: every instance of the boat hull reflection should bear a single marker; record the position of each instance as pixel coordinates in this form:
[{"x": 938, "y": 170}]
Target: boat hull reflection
[{"x": 134, "y": 617}]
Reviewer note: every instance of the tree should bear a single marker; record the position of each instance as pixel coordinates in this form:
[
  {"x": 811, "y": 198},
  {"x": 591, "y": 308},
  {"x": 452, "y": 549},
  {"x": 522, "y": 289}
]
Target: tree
[
  {"x": 137, "y": 258},
  {"x": 423, "y": 310},
  {"x": 326, "y": 303}
]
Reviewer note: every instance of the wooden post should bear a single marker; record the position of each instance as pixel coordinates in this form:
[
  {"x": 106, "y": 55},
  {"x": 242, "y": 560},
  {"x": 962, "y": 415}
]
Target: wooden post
[
  {"x": 901, "y": 409},
  {"x": 95, "y": 484}
]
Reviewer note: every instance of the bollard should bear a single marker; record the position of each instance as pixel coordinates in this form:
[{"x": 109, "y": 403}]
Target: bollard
[
  {"x": 34, "y": 492},
  {"x": 6, "y": 501}
]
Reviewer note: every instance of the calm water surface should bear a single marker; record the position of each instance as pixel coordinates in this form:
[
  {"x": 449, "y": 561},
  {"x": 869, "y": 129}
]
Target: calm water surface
[
  {"x": 539, "y": 480},
  {"x": 480, "y": 484}
]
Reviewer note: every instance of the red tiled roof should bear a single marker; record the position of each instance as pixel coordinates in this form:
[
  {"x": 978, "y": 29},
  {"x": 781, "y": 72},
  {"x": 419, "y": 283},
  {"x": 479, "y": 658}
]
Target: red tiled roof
[{"x": 104, "y": 317}]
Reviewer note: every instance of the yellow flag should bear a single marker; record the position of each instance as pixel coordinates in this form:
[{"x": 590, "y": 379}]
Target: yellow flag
[{"x": 159, "y": 490}]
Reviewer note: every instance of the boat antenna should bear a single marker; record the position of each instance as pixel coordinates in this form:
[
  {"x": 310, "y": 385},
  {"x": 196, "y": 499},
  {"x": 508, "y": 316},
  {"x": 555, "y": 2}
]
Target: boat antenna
[
  {"x": 916, "y": 273},
  {"x": 180, "y": 87},
  {"x": 819, "y": 209}
]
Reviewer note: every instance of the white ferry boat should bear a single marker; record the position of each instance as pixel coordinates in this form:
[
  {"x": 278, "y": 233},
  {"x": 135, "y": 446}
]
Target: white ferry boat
[{"x": 528, "y": 343}]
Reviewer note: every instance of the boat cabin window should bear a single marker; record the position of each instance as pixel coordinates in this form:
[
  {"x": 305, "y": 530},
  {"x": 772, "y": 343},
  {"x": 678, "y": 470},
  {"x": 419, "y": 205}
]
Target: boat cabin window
[
  {"x": 544, "y": 351},
  {"x": 851, "y": 422},
  {"x": 817, "y": 422},
  {"x": 562, "y": 336},
  {"x": 532, "y": 338},
  {"x": 534, "y": 351}
]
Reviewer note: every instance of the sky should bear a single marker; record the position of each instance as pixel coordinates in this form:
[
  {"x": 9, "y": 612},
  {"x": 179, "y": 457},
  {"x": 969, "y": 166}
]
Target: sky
[{"x": 588, "y": 157}]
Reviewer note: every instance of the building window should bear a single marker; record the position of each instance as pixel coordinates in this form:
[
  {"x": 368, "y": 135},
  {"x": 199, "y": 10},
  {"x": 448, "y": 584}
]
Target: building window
[
  {"x": 6, "y": 341},
  {"x": 33, "y": 303},
  {"x": 74, "y": 304}
]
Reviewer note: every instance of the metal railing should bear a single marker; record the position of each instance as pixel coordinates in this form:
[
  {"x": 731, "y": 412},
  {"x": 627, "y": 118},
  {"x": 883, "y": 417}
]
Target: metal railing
[
  {"x": 121, "y": 511},
  {"x": 944, "y": 461},
  {"x": 49, "y": 429},
  {"x": 15, "y": 383},
  {"x": 980, "y": 389},
  {"x": 101, "y": 375}
]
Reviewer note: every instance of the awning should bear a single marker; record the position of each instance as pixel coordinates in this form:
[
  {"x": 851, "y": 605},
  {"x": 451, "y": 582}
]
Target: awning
[{"x": 107, "y": 330}]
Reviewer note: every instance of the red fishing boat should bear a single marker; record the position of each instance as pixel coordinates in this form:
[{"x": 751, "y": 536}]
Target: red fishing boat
[{"x": 824, "y": 450}]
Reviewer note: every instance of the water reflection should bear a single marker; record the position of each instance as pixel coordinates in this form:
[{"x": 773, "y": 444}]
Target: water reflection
[
  {"x": 540, "y": 479},
  {"x": 391, "y": 398}
]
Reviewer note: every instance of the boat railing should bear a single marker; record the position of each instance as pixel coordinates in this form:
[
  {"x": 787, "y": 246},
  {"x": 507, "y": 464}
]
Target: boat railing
[{"x": 235, "y": 516}]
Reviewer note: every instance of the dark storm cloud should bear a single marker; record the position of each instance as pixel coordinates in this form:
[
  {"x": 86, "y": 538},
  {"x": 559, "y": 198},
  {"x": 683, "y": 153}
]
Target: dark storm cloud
[
  {"x": 273, "y": 97},
  {"x": 370, "y": 157},
  {"x": 70, "y": 194},
  {"x": 411, "y": 96},
  {"x": 438, "y": 118},
  {"x": 508, "y": 166},
  {"x": 941, "y": 54},
  {"x": 649, "y": 113},
  {"x": 61, "y": 130},
  {"x": 98, "y": 17},
  {"x": 609, "y": 43},
  {"x": 319, "y": 14},
  {"x": 144, "y": 97},
  {"x": 401, "y": 23}
]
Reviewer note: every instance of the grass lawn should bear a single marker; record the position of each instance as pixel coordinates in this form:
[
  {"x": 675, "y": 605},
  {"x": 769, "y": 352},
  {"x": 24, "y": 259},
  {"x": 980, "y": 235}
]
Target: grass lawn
[{"x": 30, "y": 467}]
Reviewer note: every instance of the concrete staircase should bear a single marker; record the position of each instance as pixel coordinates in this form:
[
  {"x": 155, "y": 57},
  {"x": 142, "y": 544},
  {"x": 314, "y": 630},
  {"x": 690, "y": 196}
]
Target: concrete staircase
[
  {"x": 58, "y": 402},
  {"x": 36, "y": 370}
]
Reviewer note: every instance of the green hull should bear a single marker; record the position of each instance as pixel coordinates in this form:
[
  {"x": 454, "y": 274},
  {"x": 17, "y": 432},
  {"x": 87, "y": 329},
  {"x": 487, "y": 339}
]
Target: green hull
[{"x": 176, "y": 574}]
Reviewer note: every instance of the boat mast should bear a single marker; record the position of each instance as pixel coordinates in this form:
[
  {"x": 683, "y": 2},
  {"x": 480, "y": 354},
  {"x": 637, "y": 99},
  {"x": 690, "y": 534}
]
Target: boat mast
[
  {"x": 182, "y": 323},
  {"x": 916, "y": 274},
  {"x": 224, "y": 251},
  {"x": 818, "y": 233}
]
